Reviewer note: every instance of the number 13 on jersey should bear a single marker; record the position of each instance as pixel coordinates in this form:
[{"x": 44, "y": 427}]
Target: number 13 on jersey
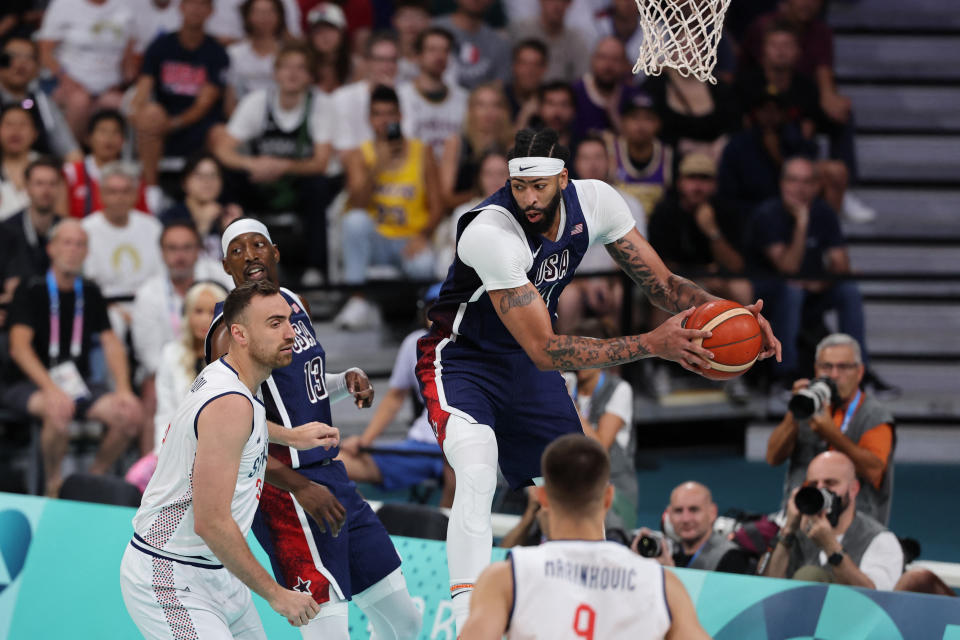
[
  {"x": 313, "y": 376},
  {"x": 584, "y": 620}
]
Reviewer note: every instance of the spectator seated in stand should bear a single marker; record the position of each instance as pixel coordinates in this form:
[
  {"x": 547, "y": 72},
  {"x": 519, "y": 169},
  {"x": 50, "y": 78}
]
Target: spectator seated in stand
[
  {"x": 17, "y": 134},
  {"x": 327, "y": 38},
  {"x": 405, "y": 468},
  {"x": 691, "y": 515},
  {"x": 19, "y": 67},
  {"x": 798, "y": 236},
  {"x": 483, "y": 53},
  {"x": 181, "y": 361},
  {"x": 106, "y": 133},
  {"x": 179, "y": 92},
  {"x": 526, "y": 77},
  {"x": 252, "y": 60},
  {"x": 287, "y": 133},
  {"x": 841, "y": 545},
  {"x": 202, "y": 193},
  {"x": 24, "y": 236},
  {"x": 53, "y": 324},
  {"x": 604, "y": 90},
  {"x": 854, "y": 422},
  {"x": 557, "y": 110},
  {"x": 568, "y": 47},
  {"x": 87, "y": 45},
  {"x": 124, "y": 243},
  {"x": 394, "y": 206}
]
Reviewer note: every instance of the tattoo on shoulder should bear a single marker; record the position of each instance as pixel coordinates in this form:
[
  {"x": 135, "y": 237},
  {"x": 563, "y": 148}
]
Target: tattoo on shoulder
[
  {"x": 517, "y": 297},
  {"x": 675, "y": 294}
]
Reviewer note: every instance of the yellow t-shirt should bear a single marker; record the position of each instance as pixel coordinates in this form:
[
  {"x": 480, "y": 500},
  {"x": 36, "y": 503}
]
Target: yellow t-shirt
[{"x": 399, "y": 201}]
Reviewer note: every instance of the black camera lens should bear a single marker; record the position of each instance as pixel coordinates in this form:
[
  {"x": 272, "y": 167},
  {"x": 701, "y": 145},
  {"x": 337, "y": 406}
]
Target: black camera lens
[
  {"x": 810, "y": 501},
  {"x": 802, "y": 406},
  {"x": 649, "y": 546}
]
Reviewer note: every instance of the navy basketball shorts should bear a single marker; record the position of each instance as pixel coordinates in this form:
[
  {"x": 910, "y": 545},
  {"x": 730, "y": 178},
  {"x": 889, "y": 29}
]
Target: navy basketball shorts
[
  {"x": 527, "y": 408},
  {"x": 306, "y": 559}
]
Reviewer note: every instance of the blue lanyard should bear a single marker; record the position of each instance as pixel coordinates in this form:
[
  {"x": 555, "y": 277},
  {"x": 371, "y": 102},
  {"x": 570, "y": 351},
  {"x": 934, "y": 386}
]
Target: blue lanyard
[
  {"x": 76, "y": 335},
  {"x": 576, "y": 388},
  {"x": 694, "y": 556},
  {"x": 852, "y": 409}
]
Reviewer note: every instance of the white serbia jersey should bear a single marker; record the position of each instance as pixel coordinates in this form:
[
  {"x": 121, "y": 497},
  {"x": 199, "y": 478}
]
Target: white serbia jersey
[
  {"x": 164, "y": 520},
  {"x": 581, "y": 589}
]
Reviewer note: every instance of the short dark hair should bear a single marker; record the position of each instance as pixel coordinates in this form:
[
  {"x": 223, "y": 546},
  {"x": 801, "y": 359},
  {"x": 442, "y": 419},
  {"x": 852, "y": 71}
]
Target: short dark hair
[
  {"x": 107, "y": 114},
  {"x": 183, "y": 223},
  {"x": 544, "y": 143},
  {"x": 239, "y": 299},
  {"x": 432, "y": 31},
  {"x": 194, "y": 161},
  {"x": 295, "y": 47},
  {"x": 576, "y": 472},
  {"x": 557, "y": 85},
  {"x": 42, "y": 162},
  {"x": 595, "y": 138},
  {"x": 281, "y": 14},
  {"x": 377, "y": 38},
  {"x": 531, "y": 43},
  {"x": 383, "y": 93},
  {"x": 781, "y": 25}
]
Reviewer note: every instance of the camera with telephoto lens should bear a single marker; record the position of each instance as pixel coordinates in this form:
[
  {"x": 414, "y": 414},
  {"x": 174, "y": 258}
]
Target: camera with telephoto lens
[
  {"x": 650, "y": 546},
  {"x": 813, "y": 500},
  {"x": 821, "y": 393}
]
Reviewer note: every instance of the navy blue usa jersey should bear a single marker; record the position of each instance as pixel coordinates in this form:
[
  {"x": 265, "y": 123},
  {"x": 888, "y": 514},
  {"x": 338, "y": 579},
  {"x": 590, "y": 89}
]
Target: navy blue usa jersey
[
  {"x": 464, "y": 310},
  {"x": 297, "y": 393}
]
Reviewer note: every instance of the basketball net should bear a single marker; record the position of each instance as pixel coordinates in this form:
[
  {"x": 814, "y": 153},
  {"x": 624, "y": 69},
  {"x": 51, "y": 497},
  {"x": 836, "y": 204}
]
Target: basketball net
[{"x": 681, "y": 34}]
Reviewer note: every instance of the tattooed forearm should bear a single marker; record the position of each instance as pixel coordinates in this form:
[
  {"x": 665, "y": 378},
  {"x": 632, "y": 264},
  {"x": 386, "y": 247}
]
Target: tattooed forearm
[
  {"x": 575, "y": 352},
  {"x": 673, "y": 294},
  {"x": 518, "y": 297}
]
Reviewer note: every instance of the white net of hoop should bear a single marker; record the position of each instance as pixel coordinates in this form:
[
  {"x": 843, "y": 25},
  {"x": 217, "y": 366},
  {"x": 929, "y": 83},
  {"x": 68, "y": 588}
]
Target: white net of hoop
[{"x": 682, "y": 34}]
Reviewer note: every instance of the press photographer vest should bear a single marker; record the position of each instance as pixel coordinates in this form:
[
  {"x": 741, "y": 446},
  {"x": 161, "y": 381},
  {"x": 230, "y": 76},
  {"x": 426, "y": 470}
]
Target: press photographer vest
[
  {"x": 871, "y": 501},
  {"x": 856, "y": 539},
  {"x": 623, "y": 472},
  {"x": 712, "y": 551}
]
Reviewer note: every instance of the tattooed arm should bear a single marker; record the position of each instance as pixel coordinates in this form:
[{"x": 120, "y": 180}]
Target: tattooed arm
[
  {"x": 525, "y": 315},
  {"x": 666, "y": 290}
]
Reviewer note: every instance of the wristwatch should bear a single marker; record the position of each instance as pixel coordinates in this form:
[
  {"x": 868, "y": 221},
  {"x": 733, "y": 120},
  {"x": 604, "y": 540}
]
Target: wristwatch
[
  {"x": 836, "y": 558},
  {"x": 786, "y": 540}
]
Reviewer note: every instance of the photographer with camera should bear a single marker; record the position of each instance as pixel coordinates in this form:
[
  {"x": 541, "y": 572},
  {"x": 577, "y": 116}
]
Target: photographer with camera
[
  {"x": 826, "y": 539},
  {"x": 691, "y": 514},
  {"x": 832, "y": 412}
]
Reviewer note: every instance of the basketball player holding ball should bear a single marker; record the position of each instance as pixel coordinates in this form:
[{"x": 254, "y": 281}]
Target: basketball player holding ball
[{"x": 489, "y": 367}]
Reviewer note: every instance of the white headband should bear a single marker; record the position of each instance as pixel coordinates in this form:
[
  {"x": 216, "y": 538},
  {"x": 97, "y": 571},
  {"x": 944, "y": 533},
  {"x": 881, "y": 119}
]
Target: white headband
[
  {"x": 534, "y": 167},
  {"x": 240, "y": 227}
]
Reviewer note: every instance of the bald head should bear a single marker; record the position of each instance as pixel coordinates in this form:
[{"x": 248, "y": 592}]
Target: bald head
[
  {"x": 692, "y": 512},
  {"x": 835, "y": 471},
  {"x": 608, "y": 64}
]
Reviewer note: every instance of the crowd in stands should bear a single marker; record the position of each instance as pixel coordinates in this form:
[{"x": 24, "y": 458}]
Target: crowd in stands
[{"x": 133, "y": 131}]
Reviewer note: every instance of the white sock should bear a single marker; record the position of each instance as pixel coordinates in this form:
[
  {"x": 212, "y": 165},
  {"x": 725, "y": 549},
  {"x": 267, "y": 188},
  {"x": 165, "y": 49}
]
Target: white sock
[{"x": 471, "y": 450}]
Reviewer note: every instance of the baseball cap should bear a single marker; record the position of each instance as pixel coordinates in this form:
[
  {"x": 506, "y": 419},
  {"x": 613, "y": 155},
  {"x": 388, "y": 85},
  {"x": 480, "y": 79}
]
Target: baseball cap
[
  {"x": 636, "y": 100},
  {"x": 327, "y": 13},
  {"x": 698, "y": 164}
]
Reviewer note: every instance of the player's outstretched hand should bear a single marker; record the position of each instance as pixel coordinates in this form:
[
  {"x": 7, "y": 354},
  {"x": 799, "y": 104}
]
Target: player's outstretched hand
[
  {"x": 297, "y": 607},
  {"x": 671, "y": 341},
  {"x": 314, "y": 434},
  {"x": 771, "y": 346},
  {"x": 322, "y": 506},
  {"x": 358, "y": 384}
]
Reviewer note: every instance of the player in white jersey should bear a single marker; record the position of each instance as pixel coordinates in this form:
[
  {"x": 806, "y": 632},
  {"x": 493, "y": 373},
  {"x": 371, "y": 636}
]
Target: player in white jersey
[
  {"x": 578, "y": 585},
  {"x": 186, "y": 571}
]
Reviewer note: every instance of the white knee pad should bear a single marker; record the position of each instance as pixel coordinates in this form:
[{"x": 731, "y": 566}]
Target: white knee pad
[
  {"x": 471, "y": 450},
  {"x": 392, "y": 613}
]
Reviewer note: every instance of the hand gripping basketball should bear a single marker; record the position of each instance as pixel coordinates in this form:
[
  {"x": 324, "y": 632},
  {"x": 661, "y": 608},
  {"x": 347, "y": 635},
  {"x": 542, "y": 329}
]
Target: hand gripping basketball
[
  {"x": 736, "y": 338},
  {"x": 672, "y": 341}
]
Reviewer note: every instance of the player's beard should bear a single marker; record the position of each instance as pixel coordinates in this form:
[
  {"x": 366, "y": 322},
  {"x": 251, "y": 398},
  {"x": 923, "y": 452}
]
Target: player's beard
[
  {"x": 272, "y": 357},
  {"x": 549, "y": 215}
]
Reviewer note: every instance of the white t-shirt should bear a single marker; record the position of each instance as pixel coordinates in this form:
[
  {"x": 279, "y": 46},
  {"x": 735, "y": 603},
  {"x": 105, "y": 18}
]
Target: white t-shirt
[
  {"x": 352, "y": 122},
  {"x": 431, "y": 122},
  {"x": 620, "y": 404},
  {"x": 120, "y": 259},
  {"x": 227, "y": 22},
  {"x": 151, "y": 21},
  {"x": 172, "y": 383},
  {"x": 586, "y": 589},
  {"x": 92, "y": 39},
  {"x": 165, "y": 519},
  {"x": 249, "y": 71},
  {"x": 404, "y": 377},
  {"x": 494, "y": 245},
  {"x": 250, "y": 117},
  {"x": 597, "y": 260},
  {"x": 882, "y": 561}
]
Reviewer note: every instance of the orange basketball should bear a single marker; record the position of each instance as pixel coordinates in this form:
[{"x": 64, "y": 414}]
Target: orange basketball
[{"x": 736, "y": 341}]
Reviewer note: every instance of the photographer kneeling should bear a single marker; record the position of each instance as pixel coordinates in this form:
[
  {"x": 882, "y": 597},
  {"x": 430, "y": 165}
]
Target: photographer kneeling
[
  {"x": 826, "y": 539},
  {"x": 832, "y": 412}
]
